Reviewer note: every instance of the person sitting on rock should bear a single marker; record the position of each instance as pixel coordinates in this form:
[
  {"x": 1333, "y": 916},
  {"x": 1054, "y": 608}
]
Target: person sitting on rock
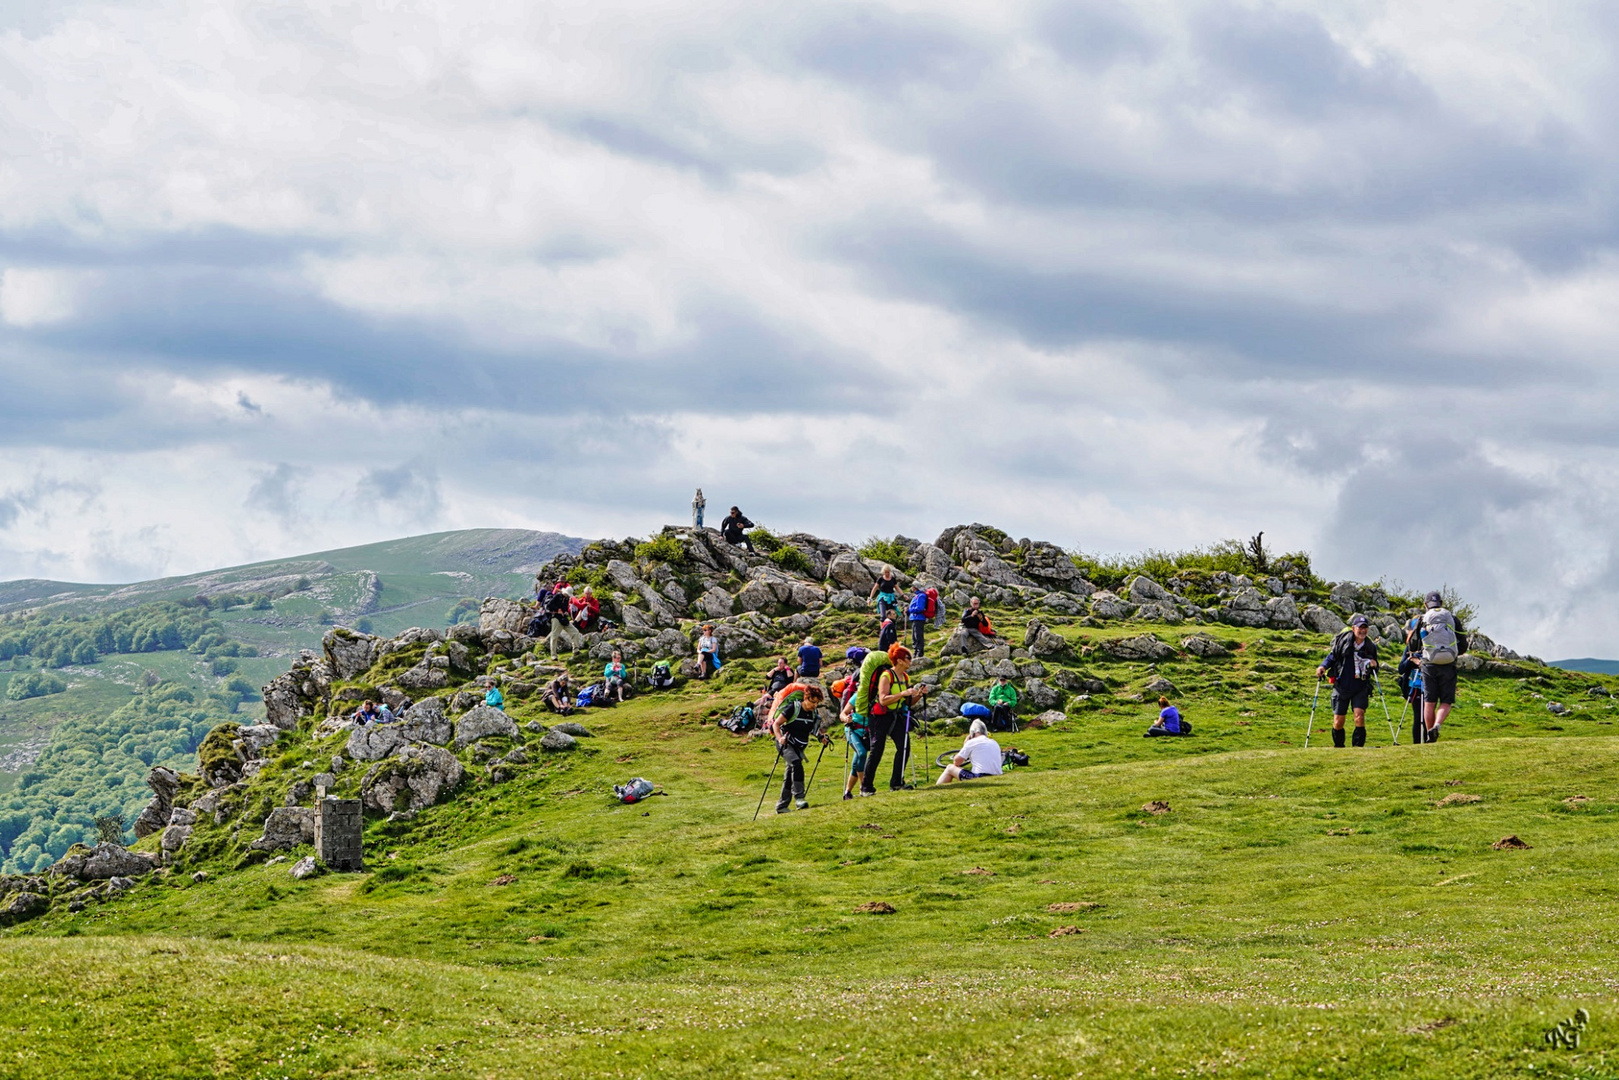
[
  {"x": 809, "y": 659},
  {"x": 885, "y": 590},
  {"x": 368, "y": 713},
  {"x": 780, "y": 675},
  {"x": 558, "y": 695},
  {"x": 1002, "y": 704},
  {"x": 616, "y": 676},
  {"x": 1169, "y": 722},
  {"x": 586, "y": 610},
  {"x": 734, "y": 529},
  {"x": 493, "y": 697},
  {"x": 979, "y": 756},
  {"x": 708, "y": 653},
  {"x": 976, "y": 623}
]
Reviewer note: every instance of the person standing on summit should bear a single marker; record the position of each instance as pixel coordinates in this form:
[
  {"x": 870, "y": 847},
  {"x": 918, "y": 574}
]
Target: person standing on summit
[
  {"x": 734, "y": 527},
  {"x": 697, "y": 504}
]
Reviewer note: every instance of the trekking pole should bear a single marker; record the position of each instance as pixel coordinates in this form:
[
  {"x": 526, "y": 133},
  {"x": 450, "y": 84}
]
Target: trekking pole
[
  {"x": 1393, "y": 732},
  {"x": 927, "y": 754},
  {"x": 910, "y": 761},
  {"x": 768, "y": 781},
  {"x": 1403, "y": 709},
  {"x": 1308, "y": 728},
  {"x": 815, "y": 770}
]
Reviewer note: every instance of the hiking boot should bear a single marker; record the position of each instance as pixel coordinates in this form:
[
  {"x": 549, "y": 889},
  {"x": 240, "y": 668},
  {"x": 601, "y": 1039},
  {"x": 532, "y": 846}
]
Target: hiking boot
[
  {"x": 847, "y": 795},
  {"x": 1359, "y": 738},
  {"x": 863, "y": 793},
  {"x": 802, "y": 804},
  {"x": 1338, "y": 737},
  {"x": 1433, "y": 734},
  {"x": 902, "y": 787},
  {"x": 782, "y": 808}
]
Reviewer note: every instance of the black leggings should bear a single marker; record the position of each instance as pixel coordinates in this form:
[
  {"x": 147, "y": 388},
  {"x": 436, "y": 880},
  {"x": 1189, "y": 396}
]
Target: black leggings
[
  {"x": 887, "y": 726},
  {"x": 792, "y": 781},
  {"x": 919, "y": 629}
]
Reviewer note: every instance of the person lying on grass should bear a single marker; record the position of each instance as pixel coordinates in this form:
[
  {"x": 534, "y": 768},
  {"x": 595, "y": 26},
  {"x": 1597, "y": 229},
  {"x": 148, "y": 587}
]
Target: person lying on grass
[{"x": 979, "y": 756}]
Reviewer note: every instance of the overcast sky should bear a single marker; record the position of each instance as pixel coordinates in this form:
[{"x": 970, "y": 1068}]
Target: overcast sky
[{"x": 283, "y": 276}]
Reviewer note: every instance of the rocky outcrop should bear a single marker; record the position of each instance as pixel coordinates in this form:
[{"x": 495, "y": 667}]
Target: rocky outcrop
[
  {"x": 348, "y": 652},
  {"x": 1321, "y": 620},
  {"x": 22, "y": 898},
  {"x": 102, "y": 862},
  {"x": 164, "y": 782},
  {"x": 1142, "y": 647},
  {"x": 482, "y": 722},
  {"x": 1204, "y": 647},
  {"x": 287, "y": 827},
  {"x": 413, "y": 779},
  {"x": 296, "y": 694}
]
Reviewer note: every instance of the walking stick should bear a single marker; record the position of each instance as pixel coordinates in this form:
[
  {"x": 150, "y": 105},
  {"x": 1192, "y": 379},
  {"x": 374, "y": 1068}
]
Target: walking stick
[
  {"x": 1393, "y": 733},
  {"x": 927, "y": 754},
  {"x": 1308, "y": 728},
  {"x": 817, "y": 768},
  {"x": 910, "y": 763},
  {"x": 1403, "y": 709},
  {"x": 768, "y": 781}
]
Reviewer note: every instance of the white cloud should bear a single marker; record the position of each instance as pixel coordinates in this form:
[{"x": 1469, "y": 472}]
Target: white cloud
[{"x": 36, "y": 297}]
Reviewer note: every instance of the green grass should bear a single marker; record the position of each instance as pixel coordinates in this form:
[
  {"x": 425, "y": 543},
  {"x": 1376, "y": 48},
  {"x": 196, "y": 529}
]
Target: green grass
[{"x": 1296, "y": 913}]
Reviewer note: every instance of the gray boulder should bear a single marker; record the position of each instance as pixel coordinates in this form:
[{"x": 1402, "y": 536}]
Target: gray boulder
[
  {"x": 1556, "y": 708},
  {"x": 1204, "y": 647},
  {"x": 1141, "y": 647},
  {"x": 1049, "y": 564},
  {"x": 305, "y": 867},
  {"x": 1106, "y": 605},
  {"x": 373, "y": 742},
  {"x": 1037, "y": 694},
  {"x": 556, "y": 741},
  {"x": 1042, "y": 641},
  {"x": 716, "y": 603},
  {"x": 578, "y": 731},
  {"x": 413, "y": 779},
  {"x": 102, "y": 862},
  {"x": 500, "y": 614},
  {"x": 1003, "y": 667},
  {"x": 426, "y": 675},
  {"x": 174, "y": 838},
  {"x": 1283, "y": 613},
  {"x": 668, "y": 643},
  {"x": 349, "y": 653},
  {"x": 286, "y": 827},
  {"x": 481, "y": 722},
  {"x": 756, "y": 595},
  {"x": 847, "y": 569},
  {"x": 22, "y": 904},
  {"x": 425, "y": 722},
  {"x": 1144, "y": 590},
  {"x": 1076, "y": 683},
  {"x": 1321, "y": 620},
  {"x": 1346, "y": 594},
  {"x": 1160, "y": 613},
  {"x": 182, "y": 815},
  {"x": 1159, "y": 685}
]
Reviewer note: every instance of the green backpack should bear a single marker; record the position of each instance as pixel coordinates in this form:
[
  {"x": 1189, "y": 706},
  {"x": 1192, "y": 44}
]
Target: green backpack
[{"x": 871, "y": 669}]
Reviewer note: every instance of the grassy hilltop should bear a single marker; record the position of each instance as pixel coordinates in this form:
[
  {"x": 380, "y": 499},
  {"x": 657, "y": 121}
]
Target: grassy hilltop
[{"x": 1293, "y": 913}]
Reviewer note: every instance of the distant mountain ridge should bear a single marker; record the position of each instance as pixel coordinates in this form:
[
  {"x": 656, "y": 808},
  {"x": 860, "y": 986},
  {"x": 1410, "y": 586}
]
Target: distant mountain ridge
[{"x": 1588, "y": 664}]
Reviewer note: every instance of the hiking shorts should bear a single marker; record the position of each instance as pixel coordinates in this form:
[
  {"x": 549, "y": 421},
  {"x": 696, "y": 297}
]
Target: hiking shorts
[
  {"x": 1439, "y": 683},
  {"x": 1342, "y": 702},
  {"x": 859, "y": 740}
]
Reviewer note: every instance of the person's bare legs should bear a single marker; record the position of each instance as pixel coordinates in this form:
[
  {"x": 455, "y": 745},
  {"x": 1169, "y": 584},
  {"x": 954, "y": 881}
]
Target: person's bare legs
[{"x": 951, "y": 773}]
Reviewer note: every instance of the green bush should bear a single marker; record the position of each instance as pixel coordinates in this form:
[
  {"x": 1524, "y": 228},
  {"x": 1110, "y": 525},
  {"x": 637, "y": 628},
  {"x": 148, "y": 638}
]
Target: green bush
[
  {"x": 664, "y": 548},
  {"x": 465, "y": 610},
  {"x": 888, "y": 551},
  {"x": 32, "y": 684},
  {"x": 765, "y": 540},
  {"x": 790, "y": 558},
  {"x": 1230, "y": 556}
]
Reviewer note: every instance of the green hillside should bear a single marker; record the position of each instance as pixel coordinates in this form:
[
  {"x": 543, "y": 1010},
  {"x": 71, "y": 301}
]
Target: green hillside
[{"x": 1295, "y": 913}]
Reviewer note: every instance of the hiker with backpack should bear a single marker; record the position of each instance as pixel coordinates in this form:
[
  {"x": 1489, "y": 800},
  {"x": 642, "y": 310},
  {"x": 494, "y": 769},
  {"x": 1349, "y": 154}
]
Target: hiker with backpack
[
  {"x": 1349, "y": 663},
  {"x": 708, "y": 652},
  {"x": 1435, "y": 630},
  {"x": 884, "y": 698},
  {"x": 918, "y": 613},
  {"x": 557, "y": 607},
  {"x": 734, "y": 528},
  {"x": 885, "y": 590},
  {"x": 1169, "y": 721},
  {"x": 1002, "y": 704},
  {"x": 856, "y": 728},
  {"x": 976, "y": 623},
  {"x": 793, "y": 723},
  {"x": 936, "y": 612},
  {"x": 1410, "y": 687},
  {"x": 616, "y": 676},
  {"x": 979, "y": 756},
  {"x": 887, "y": 635}
]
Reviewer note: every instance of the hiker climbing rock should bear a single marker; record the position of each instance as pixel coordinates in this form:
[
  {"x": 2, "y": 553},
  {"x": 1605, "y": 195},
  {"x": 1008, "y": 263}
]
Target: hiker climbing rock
[
  {"x": 1435, "y": 630},
  {"x": 885, "y": 590},
  {"x": 734, "y": 528},
  {"x": 1350, "y": 663}
]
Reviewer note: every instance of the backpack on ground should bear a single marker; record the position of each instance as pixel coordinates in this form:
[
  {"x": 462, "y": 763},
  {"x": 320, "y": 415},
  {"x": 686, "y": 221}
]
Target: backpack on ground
[
  {"x": 590, "y": 695},
  {"x": 1439, "y": 643},
  {"x": 661, "y": 678},
  {"x": 740, "y": 721},
  {"x": 871, "y": 669},
  {"x": 634, "y": 791},
  {"x": 1012, "y": 756}
]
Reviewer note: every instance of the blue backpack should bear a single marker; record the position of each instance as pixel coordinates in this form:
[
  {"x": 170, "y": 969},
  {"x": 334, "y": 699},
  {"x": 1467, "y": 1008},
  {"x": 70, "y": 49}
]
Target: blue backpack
[{"x": 587, "y": 696}]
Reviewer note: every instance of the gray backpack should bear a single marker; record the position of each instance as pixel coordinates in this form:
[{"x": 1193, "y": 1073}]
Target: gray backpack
[{"x": 1438, "y": 637}]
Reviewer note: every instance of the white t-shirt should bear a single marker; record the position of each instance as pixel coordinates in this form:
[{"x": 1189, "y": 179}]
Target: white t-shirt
[{"x": 983, "y": 755}]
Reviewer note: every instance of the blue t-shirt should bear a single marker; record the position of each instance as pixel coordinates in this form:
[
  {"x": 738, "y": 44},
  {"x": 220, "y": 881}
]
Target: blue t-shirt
[
  {"x": 1170, "y": 719},
  {"x": 809, "y": 660}
]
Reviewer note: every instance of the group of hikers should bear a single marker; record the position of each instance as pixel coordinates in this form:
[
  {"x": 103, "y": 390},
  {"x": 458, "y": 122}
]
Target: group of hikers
[{"x": 1427, "y": 672}]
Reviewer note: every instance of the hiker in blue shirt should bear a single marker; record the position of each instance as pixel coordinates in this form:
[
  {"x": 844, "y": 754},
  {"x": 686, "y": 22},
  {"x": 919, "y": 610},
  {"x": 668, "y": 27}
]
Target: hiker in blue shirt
[
  {"x": 1169, "y": 721},
  {"x": 494, "y": 699},
  {"x": 917, "y": 615},
  {"x": 809, "y": 659}
]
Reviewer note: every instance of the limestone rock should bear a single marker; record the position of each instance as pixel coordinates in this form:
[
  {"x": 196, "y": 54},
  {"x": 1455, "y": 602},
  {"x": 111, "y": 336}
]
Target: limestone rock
[
  {"x": 1321, "y": 620},
  {"x": 305, "y": 867},
  {"x": 1074, "y": 682},
  {"x": 1042, "y": 641},
  {"x": 1003, "y": 667},
  {"x": 425, "y": 722},
  {"x": 1037, "y": 694},
  {"x": 1204, "y": 647},
  {"x": 22, "y": 904},
  {"x": 756, "y": 595},
  {"x": 501, "y": 614},
  {"x": 1144, "y": 590},
  {"x": 286, "y": 827},
  {"x": 349, "y": 653},
  {"x": 164, "y": 782},
  {"x": 1283, "y": 613},
  {"x": 1159, "y": 685},
  {"x": 1142, "y": 647},
  {"x": 557, "y": 741},
  {"x": 182, "y": 815},
  {"x": 413, "y": 779},
  {"x": 536, "y": 727},
  {"x": 577, "y": 730},
  {"x": 1346, "y": 594},
  {"x": 174, "y": 838},
  {"x": 481, "y": 722},
  {"x": 716, "y": 603},
  {"x": 1049, "y": 564},
  {"x": 848, "y": 570},
  {"x": 102, "y": 862},
  {"x": 668, "y": 643},
  {"x": 1159, "y": 613},
  {"x": 1049, "y": 718},
  {"x": 373, "y": 742},
  {"x": 1106, "y": 605},
  {"x": 1061, "y": 603}
]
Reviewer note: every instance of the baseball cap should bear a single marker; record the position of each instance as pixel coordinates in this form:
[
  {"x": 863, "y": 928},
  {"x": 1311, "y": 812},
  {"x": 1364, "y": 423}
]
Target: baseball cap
[
  {"x": 1433, "y": 599},
  {"x": 1358, "y": 620}
]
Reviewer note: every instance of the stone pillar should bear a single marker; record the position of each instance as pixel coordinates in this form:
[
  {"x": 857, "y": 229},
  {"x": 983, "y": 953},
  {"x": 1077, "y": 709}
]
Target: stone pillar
[{"x": 338, "y": 825}]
